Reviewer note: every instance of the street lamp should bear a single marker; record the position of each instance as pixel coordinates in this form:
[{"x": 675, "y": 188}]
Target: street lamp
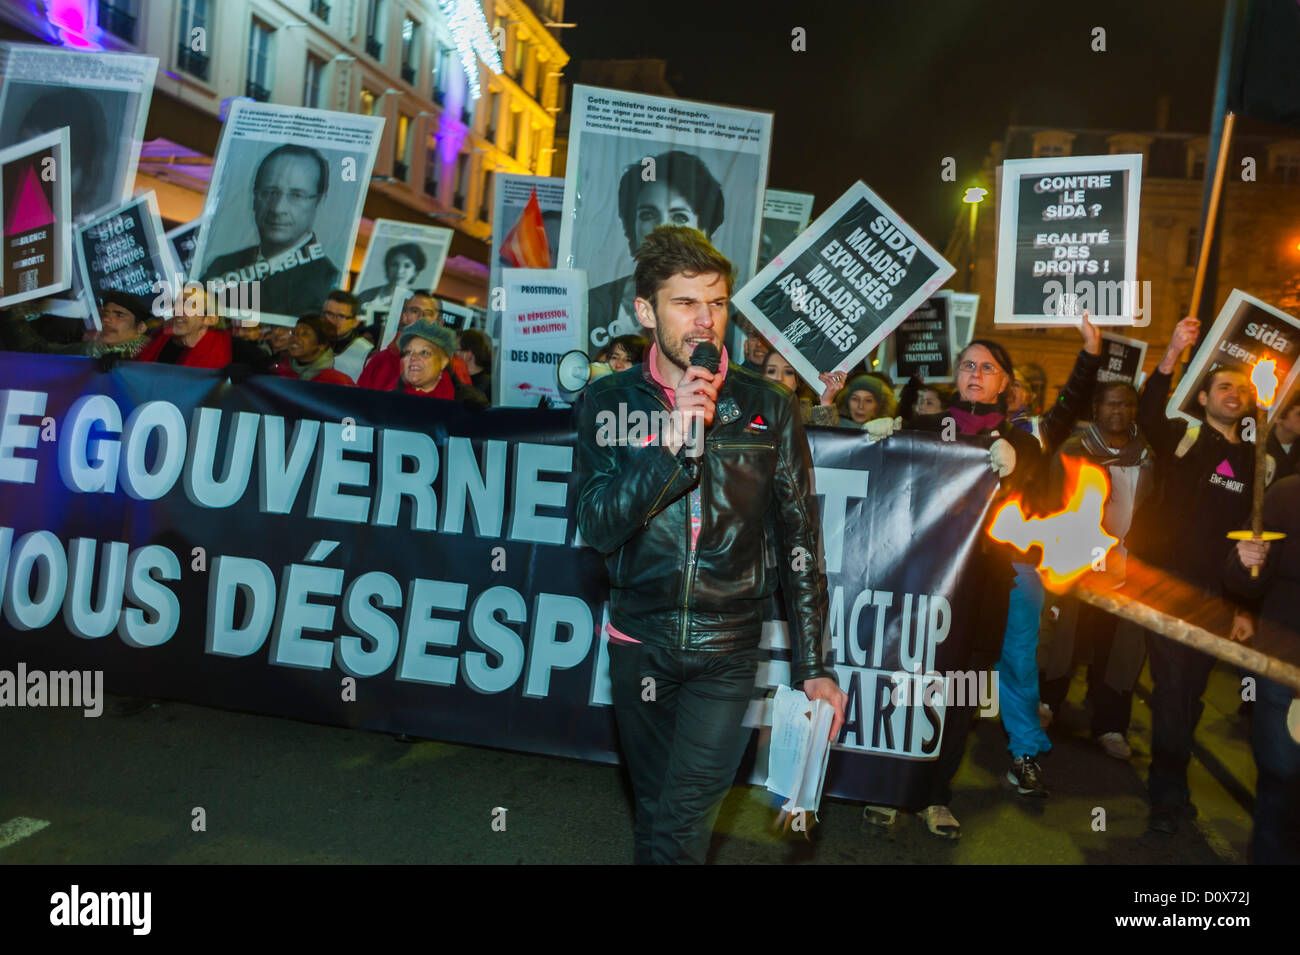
[{"x": 974, "y": 196}]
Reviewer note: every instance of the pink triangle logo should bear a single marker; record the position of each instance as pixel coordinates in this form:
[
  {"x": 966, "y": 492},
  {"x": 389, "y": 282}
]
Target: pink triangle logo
[
  {"x": 1225, "y": 469},
  {"x": 30, "y": 210}
]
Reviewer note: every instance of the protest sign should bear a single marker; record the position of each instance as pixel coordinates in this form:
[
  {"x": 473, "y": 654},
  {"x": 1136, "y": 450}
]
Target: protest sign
[
  {"x": 785, "y": 215},
  {"x": 36, "y": 256},
  {"x": 288, "y": 184},
  {"x": 103, "y": 99},
  {"x": 184, "y": 238},
  {"x": 400, "y": 255},
  {"x": 520, "y": 240},
  {"x": 1121, "y": 359},
  {"x": 543, "y": 320},
  {"x": 965, "y": 307},
  {"x": 843, "y": 285},
  {"x": 637, "y": 162},
  {"x": 923, "y": 343},
  {"x": 125, "y": 250},
  {"x": 451, "y": 586},
  {"x": 1067, "y": 241},
  {"x": 1247, "y": 330}
]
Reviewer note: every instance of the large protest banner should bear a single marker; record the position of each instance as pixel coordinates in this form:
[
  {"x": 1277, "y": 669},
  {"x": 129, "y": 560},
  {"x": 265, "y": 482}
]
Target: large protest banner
[
  {"x": 103, "y": 99},
  {"x": 843, "y": 285},
  {"x": 544, "y": 319},
  {"x": 249, "y": 547},
  {"x": 36, "y": 255},
  {"x": 401, "y": 255},
  {"x": 288, "y": 185},
  {"x": 125, "y": 250},
  {"x": 1067, "y": 241},
  {"x": 637, "y": 162},
  {"x": 1247, "y": 330}
]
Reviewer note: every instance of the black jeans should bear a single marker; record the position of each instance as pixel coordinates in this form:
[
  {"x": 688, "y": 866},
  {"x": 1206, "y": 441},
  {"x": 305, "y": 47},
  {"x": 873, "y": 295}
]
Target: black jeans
[
  {"x": 682, "y": 737},
  {"x": 1178, "y": 678},
  {"x": 1275, "y": 838},
  {"x": 1111, "y": 708}
]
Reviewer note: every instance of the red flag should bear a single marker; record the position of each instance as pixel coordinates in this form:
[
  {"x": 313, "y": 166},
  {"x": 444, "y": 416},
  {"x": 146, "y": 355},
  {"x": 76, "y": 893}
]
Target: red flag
[{"x": 525, "y": 245}]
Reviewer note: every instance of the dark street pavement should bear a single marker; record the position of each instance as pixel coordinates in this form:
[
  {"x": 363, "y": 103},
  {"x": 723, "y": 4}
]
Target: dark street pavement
[{"x": 123, "y": 788}]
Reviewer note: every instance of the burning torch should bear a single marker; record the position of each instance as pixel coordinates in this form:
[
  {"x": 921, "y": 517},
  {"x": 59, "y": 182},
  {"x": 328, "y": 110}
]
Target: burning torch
[{"x": 1265, "y": 381}]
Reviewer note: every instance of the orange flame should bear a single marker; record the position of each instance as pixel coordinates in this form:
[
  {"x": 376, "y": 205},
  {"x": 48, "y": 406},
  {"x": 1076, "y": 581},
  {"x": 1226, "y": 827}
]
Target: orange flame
[
  {"x": 1072, "y": 539},
  {"x": 1265, "y": 381}
]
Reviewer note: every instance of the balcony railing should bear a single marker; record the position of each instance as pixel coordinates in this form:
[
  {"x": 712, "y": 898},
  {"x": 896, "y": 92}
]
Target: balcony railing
[
  {"x": 117, "y": 21},
  {"x": 320, "y": 10},
  {"x": 408, "y": 73},
  {"x": 374, "y": 48},
  {"x": 400, "y": 170},
  {"x": 257, "y": 91},
  {"x": 192, "y": 62}
]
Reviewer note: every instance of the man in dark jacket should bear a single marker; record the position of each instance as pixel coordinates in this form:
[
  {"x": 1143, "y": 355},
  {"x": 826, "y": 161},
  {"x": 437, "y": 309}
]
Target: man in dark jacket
[
  {"x": 1113, "y": 444},
  {"x": 1275, "y": 838},
  {"x": 688, "y": 512},
  {"x": 1206, "y": 474}
]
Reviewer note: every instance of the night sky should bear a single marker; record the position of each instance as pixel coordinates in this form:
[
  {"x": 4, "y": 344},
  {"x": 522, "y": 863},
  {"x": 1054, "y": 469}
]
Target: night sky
[{"x": 885, "y": 90}]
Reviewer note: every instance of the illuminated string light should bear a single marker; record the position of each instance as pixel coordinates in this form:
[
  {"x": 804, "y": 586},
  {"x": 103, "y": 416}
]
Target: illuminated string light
[{"x": 470, "y": 31}]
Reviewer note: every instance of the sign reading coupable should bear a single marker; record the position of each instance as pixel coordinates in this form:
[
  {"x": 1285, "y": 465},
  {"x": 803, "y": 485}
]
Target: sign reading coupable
[
  {"x": 544, "y": 319},
  {"x": 843, "y": 285},
  {"x": 1067, "y": 240},
  {"x": 36, "y": 253},
  {"x": 1246, "y": 331},
  {"x": 432, "y": 554}
]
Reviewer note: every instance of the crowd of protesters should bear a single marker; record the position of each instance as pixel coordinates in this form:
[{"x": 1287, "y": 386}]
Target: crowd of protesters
[{"x": 1160, "y": 471}]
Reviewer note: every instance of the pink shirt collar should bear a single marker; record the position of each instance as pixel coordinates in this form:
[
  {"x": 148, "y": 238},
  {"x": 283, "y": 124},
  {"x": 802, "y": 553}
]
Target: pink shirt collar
[{"x": 654, "y": 370}]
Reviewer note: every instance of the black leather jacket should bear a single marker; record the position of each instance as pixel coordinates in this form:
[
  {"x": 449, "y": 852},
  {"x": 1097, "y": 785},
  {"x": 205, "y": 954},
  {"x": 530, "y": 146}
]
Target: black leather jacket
[{"x": 757, "y": 501}]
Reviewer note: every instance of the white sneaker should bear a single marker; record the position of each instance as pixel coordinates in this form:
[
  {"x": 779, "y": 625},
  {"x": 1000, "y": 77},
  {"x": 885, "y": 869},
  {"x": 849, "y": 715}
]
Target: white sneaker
[
  {"x": 1115, "y": 745},
  {"x": 941, "y": 822},
  {"x": 882, "y": 816},
  {"x": 1044, "y": 715}
]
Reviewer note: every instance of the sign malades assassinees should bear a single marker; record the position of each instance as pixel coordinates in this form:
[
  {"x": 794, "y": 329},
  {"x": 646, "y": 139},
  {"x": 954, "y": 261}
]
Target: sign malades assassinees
[{"x": 843, "y": 285}]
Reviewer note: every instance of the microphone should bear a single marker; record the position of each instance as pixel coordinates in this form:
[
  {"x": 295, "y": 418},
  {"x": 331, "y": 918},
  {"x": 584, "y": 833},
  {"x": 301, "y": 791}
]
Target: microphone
[{"x": 707, "y": 356}]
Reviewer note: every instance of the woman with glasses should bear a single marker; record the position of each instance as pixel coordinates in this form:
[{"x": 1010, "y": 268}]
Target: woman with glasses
[{"x": 1006, "y": 623}]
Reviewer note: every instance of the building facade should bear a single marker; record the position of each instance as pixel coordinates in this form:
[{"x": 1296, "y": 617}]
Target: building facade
[
  {"x": 399, "y": 59},
  {"x": 1259, "y": 230}
]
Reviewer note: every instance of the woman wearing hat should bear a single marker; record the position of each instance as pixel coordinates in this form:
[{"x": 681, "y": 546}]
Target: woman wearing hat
[
  {"x": 865, "y": 398},
  {"x": 426, "y": 349}
]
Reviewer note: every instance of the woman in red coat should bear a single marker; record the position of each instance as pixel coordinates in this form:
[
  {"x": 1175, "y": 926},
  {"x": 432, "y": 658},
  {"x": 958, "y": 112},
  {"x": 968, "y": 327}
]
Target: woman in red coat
[{"x": 426, "y": 366}]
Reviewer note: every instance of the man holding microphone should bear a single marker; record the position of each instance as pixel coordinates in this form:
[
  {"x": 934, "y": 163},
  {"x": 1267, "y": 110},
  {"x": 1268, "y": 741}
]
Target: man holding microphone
[{"x": 688, "y": 517}]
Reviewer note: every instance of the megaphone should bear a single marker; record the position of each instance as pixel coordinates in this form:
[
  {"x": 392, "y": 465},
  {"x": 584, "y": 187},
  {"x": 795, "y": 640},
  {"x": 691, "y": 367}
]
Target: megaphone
[{"x": 575, "y": 371}]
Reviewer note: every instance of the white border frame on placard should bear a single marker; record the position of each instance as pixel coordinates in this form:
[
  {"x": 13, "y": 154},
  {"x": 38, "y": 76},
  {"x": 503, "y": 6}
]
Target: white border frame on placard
[
  {"x": 64, "y": 263},
  {"x": 974, "y": 299},
  {"x": 171, "y": 268},
  {"x": 1210, "y": 345},
  {"x": 891, "y": 352},
  {"x": 806, "y": 239},
  {"x": 1124, "y": 340},
  {"x": 583, "y": 92},
  {"x": 367, "y": 153},
  {"x": 1014, "y": 170}
]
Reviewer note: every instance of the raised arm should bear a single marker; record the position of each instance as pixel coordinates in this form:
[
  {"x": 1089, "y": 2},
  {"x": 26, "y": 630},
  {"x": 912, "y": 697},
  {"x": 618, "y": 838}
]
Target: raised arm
[{"x": 1162, "y": 432}]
